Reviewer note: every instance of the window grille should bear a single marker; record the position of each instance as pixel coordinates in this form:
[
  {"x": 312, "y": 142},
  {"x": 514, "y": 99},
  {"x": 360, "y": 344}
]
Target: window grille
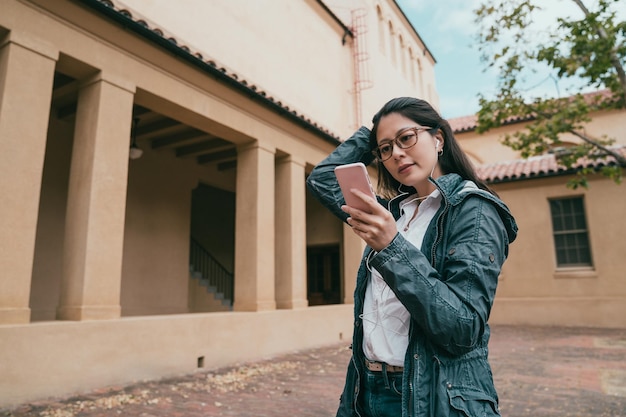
[{"x": 571, "y": 237}]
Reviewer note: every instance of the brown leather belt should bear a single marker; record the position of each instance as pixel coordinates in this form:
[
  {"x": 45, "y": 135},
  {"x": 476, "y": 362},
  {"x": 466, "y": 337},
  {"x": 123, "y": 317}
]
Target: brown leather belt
[{"x": 378, "y": 366}]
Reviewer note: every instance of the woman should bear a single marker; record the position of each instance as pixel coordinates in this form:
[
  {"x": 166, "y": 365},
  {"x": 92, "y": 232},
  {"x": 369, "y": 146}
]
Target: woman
[{"x": 429, "y": 274}]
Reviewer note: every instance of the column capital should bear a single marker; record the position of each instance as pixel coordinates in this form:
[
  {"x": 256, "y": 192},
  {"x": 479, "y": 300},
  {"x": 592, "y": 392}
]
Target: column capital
[
  {"x": 109, "y": 78},
  {"x": 256, "y": 145},
  {"x": 291, "y": 159},
  {"x": 27, "y": 41}
]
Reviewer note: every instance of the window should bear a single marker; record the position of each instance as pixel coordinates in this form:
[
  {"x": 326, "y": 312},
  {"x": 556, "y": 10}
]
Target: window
[
  {"x": 381, "y": 31},
  {"x": 392, "y": 44},
  {"x": 401, "y": 52},
  {"x": 571, "y": 238},
  {"x": 412, "y": 67},
  {"x": 420, "y": 76}
]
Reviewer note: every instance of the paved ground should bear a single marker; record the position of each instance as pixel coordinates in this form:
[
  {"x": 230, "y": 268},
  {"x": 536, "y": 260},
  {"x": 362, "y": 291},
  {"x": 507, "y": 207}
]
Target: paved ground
[{"x": 539, "y": 372}]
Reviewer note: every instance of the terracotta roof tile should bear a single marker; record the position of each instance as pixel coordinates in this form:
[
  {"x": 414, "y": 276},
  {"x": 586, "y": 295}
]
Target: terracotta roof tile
[
  {"x": 468, "y": 123},
  {"x": 539, "y": 166},
  {"x": 463, "y": 124}
]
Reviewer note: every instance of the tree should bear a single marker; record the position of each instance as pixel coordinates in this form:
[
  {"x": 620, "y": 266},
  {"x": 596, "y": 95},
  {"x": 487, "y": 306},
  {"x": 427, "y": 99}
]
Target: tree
[{"x": 589, "y": 52}]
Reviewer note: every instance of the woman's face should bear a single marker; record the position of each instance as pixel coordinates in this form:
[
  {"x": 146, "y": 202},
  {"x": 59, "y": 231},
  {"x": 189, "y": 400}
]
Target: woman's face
[{"x": 411, "y": 166}]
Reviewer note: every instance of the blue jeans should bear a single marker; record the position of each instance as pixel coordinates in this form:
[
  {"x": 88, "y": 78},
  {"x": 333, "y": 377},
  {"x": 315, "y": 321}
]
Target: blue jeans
[{"x": 381, "y": 394}]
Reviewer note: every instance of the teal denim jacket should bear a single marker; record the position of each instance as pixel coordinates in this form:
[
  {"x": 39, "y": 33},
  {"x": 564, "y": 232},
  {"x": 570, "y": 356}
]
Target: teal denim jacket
[{"x": 448, "y": 286}]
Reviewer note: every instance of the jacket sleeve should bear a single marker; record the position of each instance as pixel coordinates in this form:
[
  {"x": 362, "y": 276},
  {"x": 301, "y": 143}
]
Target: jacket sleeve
[
  {"x": 322, "y": 181},
  {"x": 450, "y": 306}
]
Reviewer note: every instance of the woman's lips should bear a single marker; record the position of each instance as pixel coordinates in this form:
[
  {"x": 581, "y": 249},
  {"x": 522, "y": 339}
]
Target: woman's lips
[{"x": 404, "y": 168}]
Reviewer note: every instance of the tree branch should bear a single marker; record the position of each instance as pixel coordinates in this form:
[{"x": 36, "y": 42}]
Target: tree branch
[
  {"x": 618, "y": 157},
  {"x": 614, "y": 58}
]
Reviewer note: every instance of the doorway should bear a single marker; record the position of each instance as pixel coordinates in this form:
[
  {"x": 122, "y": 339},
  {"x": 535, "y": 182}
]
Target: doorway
[{"x": 323, "y": 275}]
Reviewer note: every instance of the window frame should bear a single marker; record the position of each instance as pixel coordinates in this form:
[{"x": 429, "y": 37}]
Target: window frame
[{"x": 578, "y": 268}]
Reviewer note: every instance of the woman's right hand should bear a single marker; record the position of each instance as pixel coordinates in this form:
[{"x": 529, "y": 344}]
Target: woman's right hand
[{"x": 376, "y": 226}]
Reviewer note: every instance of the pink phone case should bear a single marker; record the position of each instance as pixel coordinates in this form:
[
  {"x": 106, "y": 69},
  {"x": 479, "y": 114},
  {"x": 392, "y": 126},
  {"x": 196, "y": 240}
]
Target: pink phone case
[{"x": 354, "y": 176}]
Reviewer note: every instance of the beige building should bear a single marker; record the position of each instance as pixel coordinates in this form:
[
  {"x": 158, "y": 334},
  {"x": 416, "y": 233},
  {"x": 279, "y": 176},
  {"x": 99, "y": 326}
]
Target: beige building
[
  {"x": 567, "y": 265},
  {"x": 154, "y": 216}
]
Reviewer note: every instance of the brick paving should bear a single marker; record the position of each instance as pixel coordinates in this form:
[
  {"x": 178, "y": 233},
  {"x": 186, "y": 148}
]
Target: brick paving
[{"x": 539, "y": 372}]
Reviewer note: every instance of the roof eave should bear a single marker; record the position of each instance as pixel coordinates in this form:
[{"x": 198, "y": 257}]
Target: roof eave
[
  {"x": 220, "y": 74},
  {"x": 543, "y": 175}
]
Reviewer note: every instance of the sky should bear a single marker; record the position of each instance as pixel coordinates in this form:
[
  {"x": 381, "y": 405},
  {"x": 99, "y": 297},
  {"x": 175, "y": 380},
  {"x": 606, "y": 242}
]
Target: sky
[{"x": 448, "y": 29}]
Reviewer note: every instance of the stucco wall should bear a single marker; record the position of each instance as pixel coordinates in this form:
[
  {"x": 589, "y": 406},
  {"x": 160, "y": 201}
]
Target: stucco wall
[
  {"x": 322, "y": 227},
  {"x": 64, "y": 358},
  {"x": 275, "y": 45},
  {"x": 532, "y": 289},
  {"x": 487, "y": 148},
  {"x": 408, "y": 71},
  {"x": 156, "y": 238}
]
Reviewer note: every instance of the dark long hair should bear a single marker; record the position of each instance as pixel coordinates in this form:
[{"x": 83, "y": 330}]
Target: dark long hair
[{"x": 453, "y": 159}]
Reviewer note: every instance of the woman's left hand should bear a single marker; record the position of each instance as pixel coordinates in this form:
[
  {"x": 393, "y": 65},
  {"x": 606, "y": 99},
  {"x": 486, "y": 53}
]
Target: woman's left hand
[{"x": 377, "y": 227}]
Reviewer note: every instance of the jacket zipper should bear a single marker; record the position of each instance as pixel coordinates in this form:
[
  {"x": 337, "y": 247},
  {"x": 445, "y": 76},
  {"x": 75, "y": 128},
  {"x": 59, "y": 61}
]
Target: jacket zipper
[
  {"x": 411, "y": 398},
  {"x": 411, "y": 372},
  {"x": 433, "y": 385},
  {"x": 439, "y": 234}
]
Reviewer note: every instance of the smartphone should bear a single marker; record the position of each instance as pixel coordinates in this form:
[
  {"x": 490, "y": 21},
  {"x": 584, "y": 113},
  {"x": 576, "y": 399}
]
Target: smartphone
[{"x": 354, "y": 176}]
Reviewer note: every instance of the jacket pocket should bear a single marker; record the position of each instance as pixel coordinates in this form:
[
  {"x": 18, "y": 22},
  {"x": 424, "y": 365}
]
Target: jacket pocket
[{"x": 472, "y": 403}]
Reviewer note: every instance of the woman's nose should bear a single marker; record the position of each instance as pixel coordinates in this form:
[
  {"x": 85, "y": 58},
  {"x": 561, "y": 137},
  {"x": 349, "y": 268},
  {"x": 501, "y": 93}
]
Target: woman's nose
[{"x": 397, "y": 151}]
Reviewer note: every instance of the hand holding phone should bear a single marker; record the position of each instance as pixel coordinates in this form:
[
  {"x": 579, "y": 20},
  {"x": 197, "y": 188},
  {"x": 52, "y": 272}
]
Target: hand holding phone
[{"x": 354, "y": 176}]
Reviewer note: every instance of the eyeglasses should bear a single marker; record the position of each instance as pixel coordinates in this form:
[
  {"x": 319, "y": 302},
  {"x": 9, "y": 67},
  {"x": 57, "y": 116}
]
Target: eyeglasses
[{"x": 405, "y": 140}]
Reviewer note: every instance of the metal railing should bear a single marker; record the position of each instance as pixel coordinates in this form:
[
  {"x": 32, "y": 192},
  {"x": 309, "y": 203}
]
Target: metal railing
[{"x": 211, "y": 271}]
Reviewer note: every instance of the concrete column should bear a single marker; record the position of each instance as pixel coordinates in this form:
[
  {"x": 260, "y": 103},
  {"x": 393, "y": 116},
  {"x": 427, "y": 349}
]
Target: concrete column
[
  {"x": 291, "y": 271},
  {"x": 353, "y": 247},
  {"x": 254, "y": 229},
  {"x": 94, "y": 231},
  {"x": 26, "y": 79}
]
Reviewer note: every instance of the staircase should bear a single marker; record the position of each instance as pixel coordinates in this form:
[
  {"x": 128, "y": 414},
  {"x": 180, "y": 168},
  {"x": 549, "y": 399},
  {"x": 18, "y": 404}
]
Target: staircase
[{"x": 210, "y": 274}]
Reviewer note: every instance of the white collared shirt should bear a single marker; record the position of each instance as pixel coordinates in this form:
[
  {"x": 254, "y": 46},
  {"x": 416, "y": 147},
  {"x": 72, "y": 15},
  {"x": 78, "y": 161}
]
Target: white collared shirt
[{"x": 385, "y": 320}]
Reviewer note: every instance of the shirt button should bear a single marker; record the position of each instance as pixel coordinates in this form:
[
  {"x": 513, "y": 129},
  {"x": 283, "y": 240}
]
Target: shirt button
[
  {"x": 416, "y": 356},
  {"x": 451, "y": 251},
  {"x": 449, "y": 385},
  {"x": 492, "y": 257}
]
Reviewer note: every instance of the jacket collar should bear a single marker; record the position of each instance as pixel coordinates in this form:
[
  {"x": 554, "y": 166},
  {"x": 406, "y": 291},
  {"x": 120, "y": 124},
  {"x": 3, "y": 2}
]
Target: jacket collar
[
  {"x": 447, "y": 184},
  {"x": 454, "y": 190}
]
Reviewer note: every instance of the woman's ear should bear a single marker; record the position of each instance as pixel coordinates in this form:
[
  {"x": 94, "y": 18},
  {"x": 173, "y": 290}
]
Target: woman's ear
[{"x": 439, "y": 142}]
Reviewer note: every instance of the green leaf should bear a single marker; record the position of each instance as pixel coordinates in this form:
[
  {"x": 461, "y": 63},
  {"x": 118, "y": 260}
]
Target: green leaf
[{"x": 590, "y": 48}]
